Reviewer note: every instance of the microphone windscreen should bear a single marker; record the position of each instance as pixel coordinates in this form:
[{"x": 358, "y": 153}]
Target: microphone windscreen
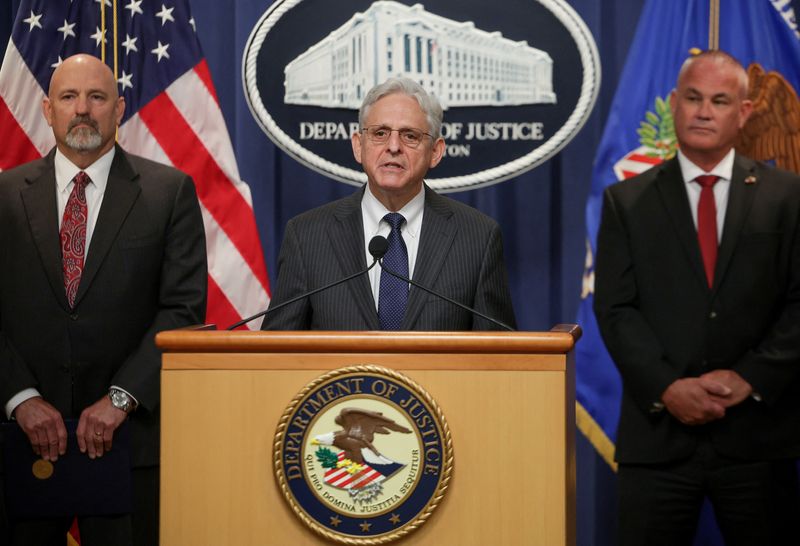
[{"x": 378, "y": 246}]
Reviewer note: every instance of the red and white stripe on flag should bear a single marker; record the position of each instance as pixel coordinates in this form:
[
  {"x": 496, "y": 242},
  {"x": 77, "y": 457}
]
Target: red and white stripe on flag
[
  {"x": 184, "y": 127},
  {"x": 342, "y": 478}
]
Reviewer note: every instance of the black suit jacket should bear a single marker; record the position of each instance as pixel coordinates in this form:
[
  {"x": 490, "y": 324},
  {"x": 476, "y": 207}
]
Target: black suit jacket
[
  {"x": 460, "y": 255},
  {"x": 661, "y": 322},
  {"x": 145, "y": 271}
]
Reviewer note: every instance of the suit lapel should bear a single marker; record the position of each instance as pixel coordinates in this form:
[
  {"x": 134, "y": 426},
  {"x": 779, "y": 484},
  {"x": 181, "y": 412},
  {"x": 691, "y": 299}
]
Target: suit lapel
[
  {"x": 349, "y": 251},
  {"x": 740, "y": 199},
  {"x": 670, "y": 185},
  {"x": 436, "y": 237},
  {"x": 121, "y": 193},
  {"x": 39, "y": 200}
]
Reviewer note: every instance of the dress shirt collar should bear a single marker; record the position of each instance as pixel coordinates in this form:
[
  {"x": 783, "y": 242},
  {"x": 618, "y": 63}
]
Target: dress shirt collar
[
  {"x": 723, "y": 170},
  {"x": 374, "y": 211},
  {"x": 97, "y": 171}
]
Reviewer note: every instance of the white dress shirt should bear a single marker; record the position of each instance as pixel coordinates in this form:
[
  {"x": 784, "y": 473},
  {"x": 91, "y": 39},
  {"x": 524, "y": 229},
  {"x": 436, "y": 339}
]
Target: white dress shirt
[
  {"x": 372, "y": 213},
  {"x": 724, "y": 171},
  {"x": 95, "y": 190}
]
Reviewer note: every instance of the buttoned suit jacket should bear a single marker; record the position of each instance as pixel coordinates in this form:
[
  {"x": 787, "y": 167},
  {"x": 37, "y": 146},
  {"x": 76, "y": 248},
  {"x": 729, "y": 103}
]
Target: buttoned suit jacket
[
  {"x": 661, "y": 321},
  {"x": 145, "y": 271},
  {"x": 460, "y": 255}
]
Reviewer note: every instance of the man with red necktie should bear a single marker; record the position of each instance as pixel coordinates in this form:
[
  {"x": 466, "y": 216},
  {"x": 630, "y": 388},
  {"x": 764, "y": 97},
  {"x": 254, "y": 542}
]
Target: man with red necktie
[
  {"x": 697, "y": 296},
  {"x": 100, "y": 250}
]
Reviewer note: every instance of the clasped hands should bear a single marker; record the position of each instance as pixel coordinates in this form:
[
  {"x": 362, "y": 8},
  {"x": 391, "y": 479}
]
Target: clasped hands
[
  {"x": 44, "y": 426},
  {"x": 700, "y": 400}
]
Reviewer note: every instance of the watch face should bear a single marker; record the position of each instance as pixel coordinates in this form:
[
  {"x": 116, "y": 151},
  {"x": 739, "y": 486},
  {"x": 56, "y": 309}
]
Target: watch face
[{"x": 120, "y": 400}]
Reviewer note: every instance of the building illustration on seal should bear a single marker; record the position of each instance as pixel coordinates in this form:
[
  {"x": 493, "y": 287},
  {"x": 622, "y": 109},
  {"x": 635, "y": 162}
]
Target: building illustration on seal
[{"x": 461, "y": 64}]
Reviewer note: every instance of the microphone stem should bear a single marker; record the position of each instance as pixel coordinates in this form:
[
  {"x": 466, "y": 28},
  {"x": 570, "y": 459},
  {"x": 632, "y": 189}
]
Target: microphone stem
[
  {"x": 300, "y": 297},
  {"x": 454, "y": 302}
]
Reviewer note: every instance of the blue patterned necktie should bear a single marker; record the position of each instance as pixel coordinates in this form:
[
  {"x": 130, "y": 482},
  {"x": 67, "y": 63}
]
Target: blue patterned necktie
[{"x": 393, "y": 294}]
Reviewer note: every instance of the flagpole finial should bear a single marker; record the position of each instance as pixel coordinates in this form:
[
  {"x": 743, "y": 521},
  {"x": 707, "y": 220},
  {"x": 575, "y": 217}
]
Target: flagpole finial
[{"x": 695, "y": 51}]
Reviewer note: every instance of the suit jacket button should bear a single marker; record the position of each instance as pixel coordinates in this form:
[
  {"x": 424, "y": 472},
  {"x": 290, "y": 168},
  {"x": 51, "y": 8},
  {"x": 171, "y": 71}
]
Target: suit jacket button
[
  {"x": 74, "y": 316},
  {"x": 712, "y": 314}
]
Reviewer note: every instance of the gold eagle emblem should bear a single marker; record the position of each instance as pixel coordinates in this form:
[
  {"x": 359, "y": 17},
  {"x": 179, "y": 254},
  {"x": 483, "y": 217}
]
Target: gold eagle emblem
[{"x": 772, "y": 133}]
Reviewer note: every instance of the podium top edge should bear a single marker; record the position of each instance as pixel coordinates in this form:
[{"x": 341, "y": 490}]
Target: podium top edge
[{"x": 559, "y": 340}]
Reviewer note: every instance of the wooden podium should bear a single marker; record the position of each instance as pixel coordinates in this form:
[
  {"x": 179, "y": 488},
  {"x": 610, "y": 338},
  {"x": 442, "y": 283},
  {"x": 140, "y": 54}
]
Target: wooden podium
[{"x": 508, "y": 399}]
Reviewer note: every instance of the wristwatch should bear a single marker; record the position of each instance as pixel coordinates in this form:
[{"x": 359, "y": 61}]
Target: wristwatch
[{"x": 121, "y": 400}]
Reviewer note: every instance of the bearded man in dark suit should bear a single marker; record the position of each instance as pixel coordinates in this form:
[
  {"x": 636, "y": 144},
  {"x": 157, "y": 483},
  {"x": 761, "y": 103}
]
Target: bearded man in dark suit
[
  {"x": 441, "y": 243},
  {"x": 697, "y": 297},
  {"x": 100, "y": 250}
]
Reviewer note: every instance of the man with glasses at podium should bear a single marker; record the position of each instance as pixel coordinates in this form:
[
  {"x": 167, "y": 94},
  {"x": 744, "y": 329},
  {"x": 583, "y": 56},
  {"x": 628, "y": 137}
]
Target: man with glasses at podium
[{"x": 438, "y": 243}]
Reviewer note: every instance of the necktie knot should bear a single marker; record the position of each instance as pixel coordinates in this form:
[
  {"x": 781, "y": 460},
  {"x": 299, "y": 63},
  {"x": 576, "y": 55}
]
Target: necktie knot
[
  {"x": 395, "y": 220},
  {"x": 707, "y": 180},
  {"x": 82, "y": 179}
]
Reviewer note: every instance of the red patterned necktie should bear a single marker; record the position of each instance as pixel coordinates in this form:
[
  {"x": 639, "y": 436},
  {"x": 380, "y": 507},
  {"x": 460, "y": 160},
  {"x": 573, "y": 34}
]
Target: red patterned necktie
[
  {"x": 707, "y": 224},
  {"x": 73, "y": 236}
]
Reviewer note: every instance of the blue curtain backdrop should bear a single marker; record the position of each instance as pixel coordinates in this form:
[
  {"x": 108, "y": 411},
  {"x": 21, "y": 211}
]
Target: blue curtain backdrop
[{"x": 541, "y": 212}]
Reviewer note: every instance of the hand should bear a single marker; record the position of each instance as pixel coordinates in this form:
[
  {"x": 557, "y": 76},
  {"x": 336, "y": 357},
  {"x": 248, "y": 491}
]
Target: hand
[
  {"x": 695, "y": 400},
  {"x": 740, "y": 389},
  {"x": 44, "y": 426},
  {"x": 96, "y": 427}
]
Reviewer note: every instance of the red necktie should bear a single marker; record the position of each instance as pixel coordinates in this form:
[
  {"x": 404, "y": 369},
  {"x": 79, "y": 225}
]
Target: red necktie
[
  {"x": 73, "y": 236},
  {"x": 707, "y": 224}
]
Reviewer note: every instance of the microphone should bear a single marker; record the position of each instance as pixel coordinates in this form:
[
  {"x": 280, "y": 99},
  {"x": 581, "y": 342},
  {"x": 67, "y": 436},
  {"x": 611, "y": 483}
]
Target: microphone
[
  {"x": 377, "y": 248},
  {"x": 384, "y": 246}
]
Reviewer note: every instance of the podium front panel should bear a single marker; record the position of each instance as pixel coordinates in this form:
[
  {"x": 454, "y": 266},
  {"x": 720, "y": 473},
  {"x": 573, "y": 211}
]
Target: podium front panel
[{"x": 511, "y": 418}]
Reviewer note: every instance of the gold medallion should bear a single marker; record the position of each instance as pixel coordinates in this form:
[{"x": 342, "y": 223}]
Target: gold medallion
[{"x": 42, "y": 469}]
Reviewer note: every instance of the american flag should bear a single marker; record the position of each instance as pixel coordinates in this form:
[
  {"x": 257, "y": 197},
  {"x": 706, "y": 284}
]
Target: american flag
[
  {"x": 171, "y": 115},
  {"x": 341, "y": 478}
]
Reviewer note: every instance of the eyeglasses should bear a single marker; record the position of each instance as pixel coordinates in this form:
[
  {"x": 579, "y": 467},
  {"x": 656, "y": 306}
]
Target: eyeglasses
[{"x": 379, "y": 134}]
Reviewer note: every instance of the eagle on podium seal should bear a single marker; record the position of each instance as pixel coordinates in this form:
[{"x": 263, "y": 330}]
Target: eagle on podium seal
[{"x": 363, "y": 455}]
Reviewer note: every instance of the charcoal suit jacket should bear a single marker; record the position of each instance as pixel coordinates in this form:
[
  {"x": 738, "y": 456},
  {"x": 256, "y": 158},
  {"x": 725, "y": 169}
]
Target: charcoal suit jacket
[
  {"x": 460, "y": 255},
  {"x": 145, "y": 271},
  {"x": 661, "y": 321}
]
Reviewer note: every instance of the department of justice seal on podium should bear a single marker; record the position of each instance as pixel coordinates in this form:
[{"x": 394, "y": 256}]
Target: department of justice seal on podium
[{"x": 363, "y": 455}]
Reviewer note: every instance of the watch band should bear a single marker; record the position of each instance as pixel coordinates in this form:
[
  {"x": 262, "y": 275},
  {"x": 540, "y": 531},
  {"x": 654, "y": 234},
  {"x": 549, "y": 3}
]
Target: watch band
[{"x": 121, "y": 400}]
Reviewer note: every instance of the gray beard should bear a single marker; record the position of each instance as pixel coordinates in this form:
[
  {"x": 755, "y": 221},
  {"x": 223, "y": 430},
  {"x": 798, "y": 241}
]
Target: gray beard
[{"x": 84, "y": 139}]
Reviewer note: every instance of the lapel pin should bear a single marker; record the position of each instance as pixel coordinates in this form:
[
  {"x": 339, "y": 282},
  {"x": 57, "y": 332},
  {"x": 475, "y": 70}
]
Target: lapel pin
[{"x": 750, "y": 180}]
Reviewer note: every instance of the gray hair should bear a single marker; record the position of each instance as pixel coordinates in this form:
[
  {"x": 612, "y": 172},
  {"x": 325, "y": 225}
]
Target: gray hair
[{"x": 405, "y": 86}]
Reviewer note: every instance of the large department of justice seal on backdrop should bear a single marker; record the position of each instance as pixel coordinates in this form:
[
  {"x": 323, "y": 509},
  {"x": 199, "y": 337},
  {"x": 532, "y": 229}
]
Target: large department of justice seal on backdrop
[
  {"x": 517, "y": 79},
  {"x": 363, "y": 455}
]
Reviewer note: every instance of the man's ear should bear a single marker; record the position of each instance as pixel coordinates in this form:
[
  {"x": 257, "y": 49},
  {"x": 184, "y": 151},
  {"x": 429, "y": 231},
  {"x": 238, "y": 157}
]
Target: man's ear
[
  {"x": 355, "y": 140},
  {"x": 438, "y": 152},
  {"x": 47, "y": 111},
  {"x": 745, "y": 109},
  {"x": 120, "y": 109}
]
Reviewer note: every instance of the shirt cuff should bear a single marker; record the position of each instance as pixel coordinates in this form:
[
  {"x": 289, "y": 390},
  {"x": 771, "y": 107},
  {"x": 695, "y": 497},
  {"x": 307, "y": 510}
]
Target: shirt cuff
[{"x": 18, "y": 399}]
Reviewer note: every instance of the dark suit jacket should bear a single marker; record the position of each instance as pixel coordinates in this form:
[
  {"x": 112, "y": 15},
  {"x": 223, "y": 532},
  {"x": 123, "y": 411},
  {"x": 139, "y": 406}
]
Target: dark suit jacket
[
  {"x": 661, "y": 322},
  {"x": 460, "y": 255},
  {"x": 145, "y": 271}
]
